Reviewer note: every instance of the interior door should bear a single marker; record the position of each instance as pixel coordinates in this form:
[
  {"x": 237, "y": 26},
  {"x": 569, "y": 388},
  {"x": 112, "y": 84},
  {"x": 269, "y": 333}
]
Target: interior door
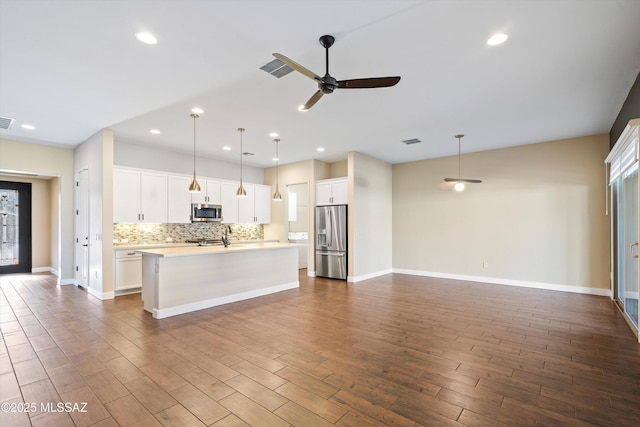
[
  {"x": 15, "y": 227},
  {"x": 82, "y": 247}
]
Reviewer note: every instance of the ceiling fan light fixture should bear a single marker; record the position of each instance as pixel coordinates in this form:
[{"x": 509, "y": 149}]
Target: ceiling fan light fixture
[{"x": 327, "y": 84}]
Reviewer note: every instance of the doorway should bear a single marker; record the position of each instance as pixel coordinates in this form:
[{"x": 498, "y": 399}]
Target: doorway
[
  {"x": 298, "y": 220},
  {"x": 15, "y": 227}
]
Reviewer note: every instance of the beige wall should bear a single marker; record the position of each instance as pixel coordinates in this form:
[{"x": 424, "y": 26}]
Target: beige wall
[
  {"x": 539, "y": 215},
  {"x": 54, "y": 162},
  {"x": 370, "y": 217},
  {"x": 338, "y": 169},
  {"x": 96, "y": 156}
]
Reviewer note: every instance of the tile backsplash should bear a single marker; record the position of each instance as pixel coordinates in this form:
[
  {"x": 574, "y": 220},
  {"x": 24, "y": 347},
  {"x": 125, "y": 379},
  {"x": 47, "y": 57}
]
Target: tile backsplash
[{"x": 159, "y": 233}]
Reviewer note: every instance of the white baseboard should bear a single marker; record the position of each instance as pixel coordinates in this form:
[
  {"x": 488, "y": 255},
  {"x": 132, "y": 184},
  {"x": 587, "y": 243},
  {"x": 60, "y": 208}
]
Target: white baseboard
[
  {"x": 311, "y": 273},
  {"x": 355, "y": 279},
  {"x": 63, "y": 282},
  {"x": 508, "y": 282},
  {"x": 101, "y": 295},
  {"x": 200, "y": 305},
  {"x": 42, "y": 270}
]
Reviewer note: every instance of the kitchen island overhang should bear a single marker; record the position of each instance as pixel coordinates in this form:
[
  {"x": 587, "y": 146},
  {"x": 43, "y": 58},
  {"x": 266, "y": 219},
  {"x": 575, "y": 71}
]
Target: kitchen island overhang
[{"x": 185, "y": 279}]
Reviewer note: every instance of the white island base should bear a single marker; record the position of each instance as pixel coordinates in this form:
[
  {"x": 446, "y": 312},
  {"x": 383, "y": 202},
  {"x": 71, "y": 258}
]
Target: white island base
[{"x": 181, "y": 280}]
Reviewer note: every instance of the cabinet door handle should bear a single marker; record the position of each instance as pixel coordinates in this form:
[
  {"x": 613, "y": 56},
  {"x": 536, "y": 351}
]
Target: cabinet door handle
[
  {"x": 143, "y": 217},
  {"x": 631, "y": 249}
]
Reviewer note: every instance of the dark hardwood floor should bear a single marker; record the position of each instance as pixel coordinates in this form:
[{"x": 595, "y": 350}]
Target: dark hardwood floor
[{"x": 392, "y": 351}]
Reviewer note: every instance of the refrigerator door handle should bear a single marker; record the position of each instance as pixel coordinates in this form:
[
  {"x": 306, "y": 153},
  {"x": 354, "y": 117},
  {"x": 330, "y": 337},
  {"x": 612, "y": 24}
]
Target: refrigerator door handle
[
  {"x": 331, "y": 253},
  {"x": 330, "y": 227}
]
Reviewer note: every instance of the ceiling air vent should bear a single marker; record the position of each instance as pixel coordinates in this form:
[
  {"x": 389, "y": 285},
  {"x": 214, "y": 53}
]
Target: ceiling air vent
[
  {"x": 411, "y": 141},
  {"x": 6, "y": 122},
  {"x": 277, "y": 68}
]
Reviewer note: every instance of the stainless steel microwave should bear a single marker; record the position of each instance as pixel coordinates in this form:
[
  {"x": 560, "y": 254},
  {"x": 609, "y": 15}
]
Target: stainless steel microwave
[{"x": 202, "y": 212}]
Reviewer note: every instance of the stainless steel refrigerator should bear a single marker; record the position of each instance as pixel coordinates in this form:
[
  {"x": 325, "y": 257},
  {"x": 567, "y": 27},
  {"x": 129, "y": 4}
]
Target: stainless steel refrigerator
[{"x": 331, "y": 241}]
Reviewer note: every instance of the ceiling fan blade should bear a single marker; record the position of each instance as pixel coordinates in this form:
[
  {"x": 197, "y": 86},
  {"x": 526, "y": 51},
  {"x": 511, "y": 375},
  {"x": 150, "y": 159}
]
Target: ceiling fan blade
[
  {"x": 371, "y": 82},
  {"x": 472, "y": 181},
  {"x": 316, "y": 96},
  {"x": 299, "y": 68}
]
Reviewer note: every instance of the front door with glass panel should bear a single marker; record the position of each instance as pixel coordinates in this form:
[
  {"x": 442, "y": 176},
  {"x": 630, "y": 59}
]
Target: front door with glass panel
[{"x": 15, "y": 227}]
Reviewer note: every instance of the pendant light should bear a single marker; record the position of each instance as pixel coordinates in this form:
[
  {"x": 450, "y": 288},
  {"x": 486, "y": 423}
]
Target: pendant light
[
  {"x": 194, "y": 187},
  {"x": 277, "y": 197},
  {"x": 459, "y": 182},
  {"x": 241, "y": 191}
]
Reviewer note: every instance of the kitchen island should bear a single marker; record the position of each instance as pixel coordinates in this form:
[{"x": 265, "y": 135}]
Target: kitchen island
[{"x": 180, "y": 280}]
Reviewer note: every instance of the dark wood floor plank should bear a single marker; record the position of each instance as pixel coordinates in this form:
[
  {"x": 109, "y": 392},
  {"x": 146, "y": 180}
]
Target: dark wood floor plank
[{"x": 394, "y": 350}]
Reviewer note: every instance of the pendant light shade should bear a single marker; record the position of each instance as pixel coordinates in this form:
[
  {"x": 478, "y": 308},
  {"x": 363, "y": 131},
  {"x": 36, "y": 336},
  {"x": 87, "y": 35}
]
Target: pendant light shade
[
  {"x": 194, "y": 187},
  {"x": 459, "y": 182},
  {"x": 241, "y": 191},
  {"x": 277, "y": 197}
]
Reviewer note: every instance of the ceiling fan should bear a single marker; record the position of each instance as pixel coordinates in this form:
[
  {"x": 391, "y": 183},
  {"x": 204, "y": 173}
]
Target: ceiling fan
[
  {"x": 460, "y": 181},
  {"x": 328, "y": 83}
]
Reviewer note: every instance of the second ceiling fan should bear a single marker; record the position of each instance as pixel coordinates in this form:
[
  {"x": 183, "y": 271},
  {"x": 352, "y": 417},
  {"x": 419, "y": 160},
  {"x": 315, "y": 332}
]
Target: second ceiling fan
[{"x": 327, "y": 84}]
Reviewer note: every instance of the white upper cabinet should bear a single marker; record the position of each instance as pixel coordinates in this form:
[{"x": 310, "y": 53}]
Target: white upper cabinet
[
  {"x": 153, "y": 197},
  {"x": 262, "y": 205},
  {"x": 156, "y": 197},
  {"x": 256, "y": 207},
  {"x": 139, "y": 196},
  {"x": 210, "y": 192},
  {"x": 126, "y": 196},
  {"x": 331, "y": 192},
  {"x": 229, "y": 202},
  {"x": 178, "y": 200}
]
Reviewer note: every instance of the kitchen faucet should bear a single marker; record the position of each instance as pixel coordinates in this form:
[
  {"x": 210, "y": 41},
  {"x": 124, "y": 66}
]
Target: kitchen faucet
[{"x": 225, "y": 235}]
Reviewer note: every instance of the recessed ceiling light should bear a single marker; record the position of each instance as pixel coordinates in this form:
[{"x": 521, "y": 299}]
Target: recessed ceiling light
[
  {"x": 226, "y": 148},
  {"x": 27, "y": 126},
  {"x": 274, "y": 134},
  {"x": 320, "y": 149},
  {"x": 275, "y": 159},
  {"x": 497, "y": 39},
  {"x": 147, "y": 38},
  {"x": 155, "y": 131},
  {"x": 196, "y": 110}
]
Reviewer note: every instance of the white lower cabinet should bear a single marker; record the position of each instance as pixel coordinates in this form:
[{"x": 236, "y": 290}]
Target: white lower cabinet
[{"x": 128, "y": 274}]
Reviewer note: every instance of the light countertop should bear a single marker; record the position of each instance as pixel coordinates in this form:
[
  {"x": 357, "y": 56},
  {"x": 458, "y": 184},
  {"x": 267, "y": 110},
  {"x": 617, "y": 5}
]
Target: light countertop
[{"x": 178, "y": 251}]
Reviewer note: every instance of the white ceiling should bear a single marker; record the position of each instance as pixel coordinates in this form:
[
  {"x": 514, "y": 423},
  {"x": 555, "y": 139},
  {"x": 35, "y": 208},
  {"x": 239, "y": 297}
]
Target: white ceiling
[{"x": 73, "y": 67}]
